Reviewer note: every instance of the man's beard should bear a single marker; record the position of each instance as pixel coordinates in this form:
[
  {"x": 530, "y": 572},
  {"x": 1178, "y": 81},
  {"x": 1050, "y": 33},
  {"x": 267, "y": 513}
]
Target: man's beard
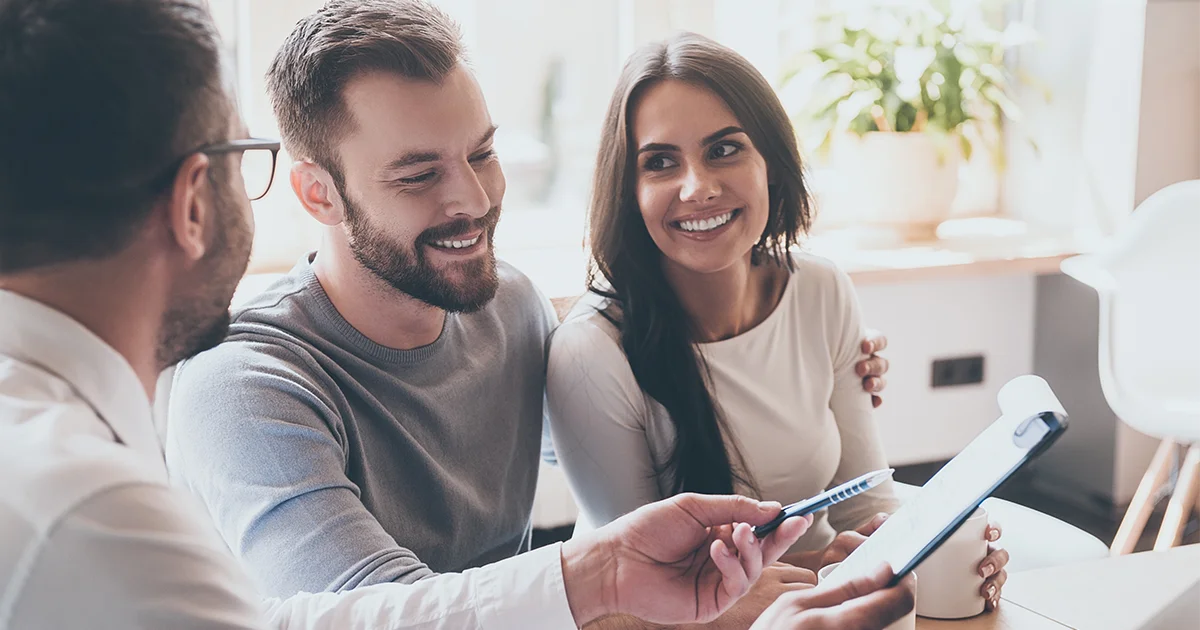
[
  {"x": 408, "y": 269},
  {"x": 199, "y": 320}
]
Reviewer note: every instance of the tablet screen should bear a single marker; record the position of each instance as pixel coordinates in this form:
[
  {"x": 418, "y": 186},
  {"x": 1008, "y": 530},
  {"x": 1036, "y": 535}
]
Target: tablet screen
[{"x": 1032, "y": 418}]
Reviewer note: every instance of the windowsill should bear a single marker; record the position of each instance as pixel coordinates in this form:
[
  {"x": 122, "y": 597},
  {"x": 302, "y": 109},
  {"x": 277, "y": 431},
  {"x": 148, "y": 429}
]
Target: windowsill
[
  {"x": 1001, "y": 247},
  {"x": 968, "y": 248}
]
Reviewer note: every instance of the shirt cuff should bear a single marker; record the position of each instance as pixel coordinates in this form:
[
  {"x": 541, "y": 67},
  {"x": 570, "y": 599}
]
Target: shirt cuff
[{"x": 526, "y": 592}]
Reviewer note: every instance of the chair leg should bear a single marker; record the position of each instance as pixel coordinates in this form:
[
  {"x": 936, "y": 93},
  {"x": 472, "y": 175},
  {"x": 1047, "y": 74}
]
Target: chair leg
[
  {"x": 1143, "y": 500},
  {"x": 1180, "y": 506}
]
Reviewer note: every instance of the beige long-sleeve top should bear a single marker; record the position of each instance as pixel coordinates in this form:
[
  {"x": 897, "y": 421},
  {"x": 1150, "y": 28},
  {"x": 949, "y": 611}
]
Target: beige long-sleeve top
[{"x": 787, "y": 389}]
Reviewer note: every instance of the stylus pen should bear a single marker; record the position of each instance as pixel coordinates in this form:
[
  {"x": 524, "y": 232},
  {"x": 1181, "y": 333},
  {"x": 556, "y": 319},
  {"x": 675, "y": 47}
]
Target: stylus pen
[{"x": 833, "y": 496}]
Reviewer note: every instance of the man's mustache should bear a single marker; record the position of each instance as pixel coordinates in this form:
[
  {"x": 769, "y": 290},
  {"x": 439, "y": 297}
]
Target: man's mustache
[{"x": 458, "y": 227}]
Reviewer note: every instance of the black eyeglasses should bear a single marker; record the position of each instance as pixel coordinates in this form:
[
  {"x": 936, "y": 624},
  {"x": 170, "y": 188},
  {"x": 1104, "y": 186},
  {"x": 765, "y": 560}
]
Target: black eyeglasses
[{"x": 258, "y": 162}]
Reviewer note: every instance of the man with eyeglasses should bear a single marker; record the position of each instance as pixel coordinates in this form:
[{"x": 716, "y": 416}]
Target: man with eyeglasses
[{"x": 125, "y": 265}]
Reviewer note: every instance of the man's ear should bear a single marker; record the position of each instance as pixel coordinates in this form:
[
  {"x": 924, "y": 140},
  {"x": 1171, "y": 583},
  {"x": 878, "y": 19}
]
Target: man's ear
[
  {"x": 189, "y": 212},
  {"x": 316, "y": 191}
]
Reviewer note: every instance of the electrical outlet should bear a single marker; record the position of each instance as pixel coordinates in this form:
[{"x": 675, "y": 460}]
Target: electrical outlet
[{"x": 957, "y": 371}]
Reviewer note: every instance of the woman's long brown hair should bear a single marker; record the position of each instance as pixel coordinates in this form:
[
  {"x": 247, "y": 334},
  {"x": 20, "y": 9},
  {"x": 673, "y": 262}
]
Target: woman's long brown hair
[{"x": 657, "y": 334}]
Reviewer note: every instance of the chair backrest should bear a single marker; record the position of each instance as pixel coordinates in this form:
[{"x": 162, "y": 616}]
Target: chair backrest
[{"x": 1148, "y": 279}]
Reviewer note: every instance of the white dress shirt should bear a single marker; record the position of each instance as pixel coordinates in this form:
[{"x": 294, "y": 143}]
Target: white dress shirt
[{"x": 92, "y": 535}]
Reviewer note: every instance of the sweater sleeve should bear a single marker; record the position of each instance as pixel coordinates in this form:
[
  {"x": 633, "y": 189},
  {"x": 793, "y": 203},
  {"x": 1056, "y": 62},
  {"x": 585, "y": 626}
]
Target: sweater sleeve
[
  {"x": 256, "y": 437},
  {"x": 598, "y": 420},
  {"x": 862, "y": 449}
]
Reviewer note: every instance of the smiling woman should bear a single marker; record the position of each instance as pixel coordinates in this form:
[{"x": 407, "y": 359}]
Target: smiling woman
[
  {"x": 729, "y": 166},
  {"x": 709, "y": 356}
]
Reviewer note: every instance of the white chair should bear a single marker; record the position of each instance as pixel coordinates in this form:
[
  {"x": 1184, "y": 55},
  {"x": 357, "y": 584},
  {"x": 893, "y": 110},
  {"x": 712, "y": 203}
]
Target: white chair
[{"x": 1148, "y": 280}]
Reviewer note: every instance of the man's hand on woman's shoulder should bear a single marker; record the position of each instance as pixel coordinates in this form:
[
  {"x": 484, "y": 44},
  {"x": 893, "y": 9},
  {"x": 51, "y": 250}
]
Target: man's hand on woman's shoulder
[{"x": 873, "y": 367}]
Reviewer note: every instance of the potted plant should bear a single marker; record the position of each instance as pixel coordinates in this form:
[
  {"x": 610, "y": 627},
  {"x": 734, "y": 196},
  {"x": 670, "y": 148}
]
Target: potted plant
[{"x": 901, "y": 95}]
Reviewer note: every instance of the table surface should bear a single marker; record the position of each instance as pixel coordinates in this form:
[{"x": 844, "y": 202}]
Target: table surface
[
  {"x": 1009, "y": 616},
  {"x": 1075, "y": 596}
]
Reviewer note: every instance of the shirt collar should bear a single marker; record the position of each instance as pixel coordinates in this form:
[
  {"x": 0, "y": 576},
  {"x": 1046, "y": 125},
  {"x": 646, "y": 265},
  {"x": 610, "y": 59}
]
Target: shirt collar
[{"x": 49, "y": 339}]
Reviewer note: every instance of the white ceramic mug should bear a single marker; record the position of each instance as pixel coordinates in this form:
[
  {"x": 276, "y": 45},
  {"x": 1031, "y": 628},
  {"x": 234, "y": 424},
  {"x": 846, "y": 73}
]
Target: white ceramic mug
[
  {"x": 907, "y": 622},
  {"x": 950, "y": 581}
]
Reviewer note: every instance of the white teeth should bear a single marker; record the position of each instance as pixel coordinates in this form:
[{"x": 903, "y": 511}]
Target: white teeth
[
  {"x": 457, "y": 244},
  {"x": 705, "y": 225}
]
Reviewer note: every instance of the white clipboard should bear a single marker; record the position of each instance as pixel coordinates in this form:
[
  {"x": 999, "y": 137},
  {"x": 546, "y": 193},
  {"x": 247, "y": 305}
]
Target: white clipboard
[{"x": 1032, "y": 420}]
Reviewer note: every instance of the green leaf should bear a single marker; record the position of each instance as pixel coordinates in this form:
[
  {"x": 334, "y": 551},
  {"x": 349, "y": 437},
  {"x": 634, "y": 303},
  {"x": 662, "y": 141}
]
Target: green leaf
[
  {"x": 862, "y": 124},
  {"x": 825, "y": 146},
  {"x": 964, "y": 143}
]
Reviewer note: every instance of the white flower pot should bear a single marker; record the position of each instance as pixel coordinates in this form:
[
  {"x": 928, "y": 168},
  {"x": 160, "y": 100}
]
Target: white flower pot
[{"x": 902, "y": 181}]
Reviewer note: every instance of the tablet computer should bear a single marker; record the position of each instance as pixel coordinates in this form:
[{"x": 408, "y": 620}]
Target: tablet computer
[{"x": 1031, "y": 420}]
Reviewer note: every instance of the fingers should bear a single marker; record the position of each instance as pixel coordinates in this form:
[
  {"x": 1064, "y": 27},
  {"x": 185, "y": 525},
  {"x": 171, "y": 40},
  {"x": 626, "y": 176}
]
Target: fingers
[
  {"x": 842, "y": 546},
  {"x": 873, "y": 342},
  {"x": 995, "y": 561},
  {"x": 779, "y": 541},
  {"x": 992, "y": 569},
  {"x": 861, "y": 604},
  {"x": 749, "y": 551},
  {"x": 879, "y": 609},
  {"x": 788, "y": 574},
  {"x": 734, "y": 581},
  {"x": 874, "y": 384},
  {"x": 875, "y": 610},
  {"x": 823, "y": 597},
  {"x": 868, "y": 528},
  {"x": 723, "y": 533},
  {"x": 871, "y": 366},
  {"x": 993, "y": 532},
  {"x": 992, "y": 588},
  {"x": 711, "y": 511}
]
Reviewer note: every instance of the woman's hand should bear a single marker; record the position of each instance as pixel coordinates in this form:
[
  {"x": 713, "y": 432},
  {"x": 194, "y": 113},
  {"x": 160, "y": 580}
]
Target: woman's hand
[
  {"x": 846, "y": 542},
  {"x": 992, "y": 568},
  {"x": 842, "y": 546},
  {"x": 777, "y": 580}
]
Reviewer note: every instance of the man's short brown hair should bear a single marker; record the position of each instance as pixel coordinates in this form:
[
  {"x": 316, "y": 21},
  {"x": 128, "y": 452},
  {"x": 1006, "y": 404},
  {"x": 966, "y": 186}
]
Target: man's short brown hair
[{"x": 346, "y": 38}]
